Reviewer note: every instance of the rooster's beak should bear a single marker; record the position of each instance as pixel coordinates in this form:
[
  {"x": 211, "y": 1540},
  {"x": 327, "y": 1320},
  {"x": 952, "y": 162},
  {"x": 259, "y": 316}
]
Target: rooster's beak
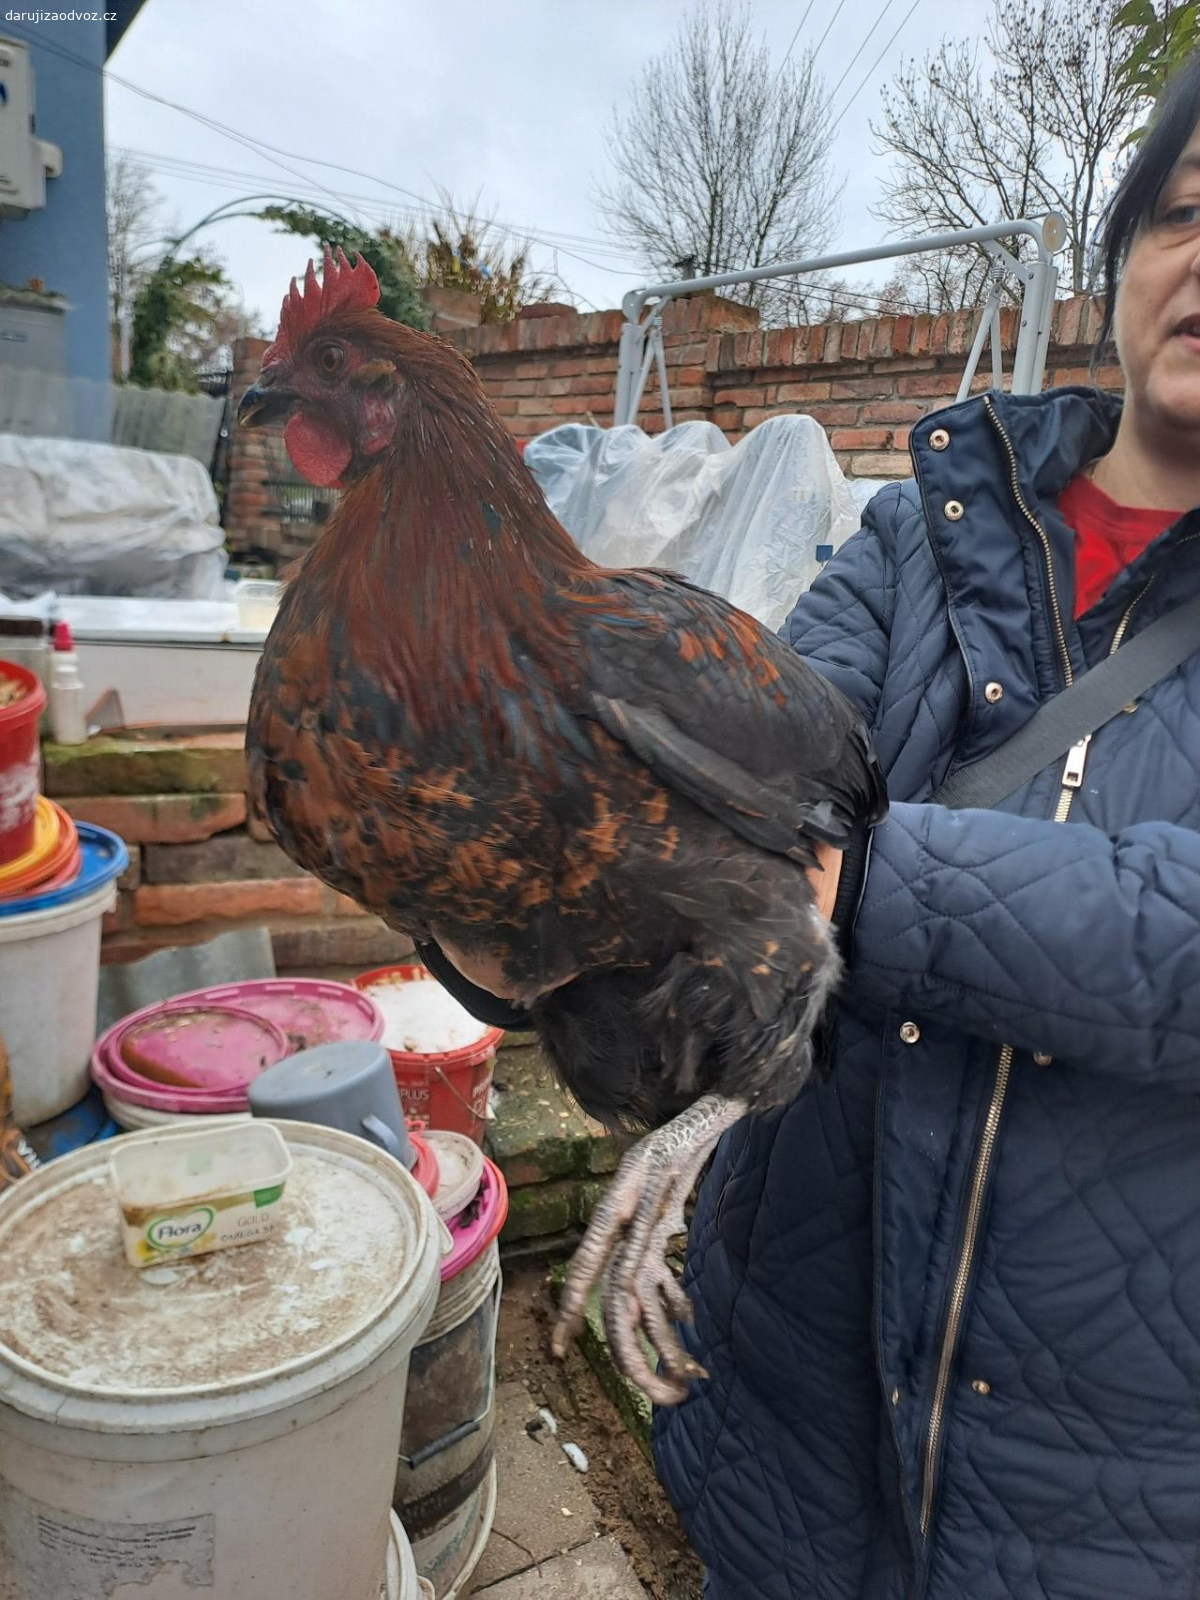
[{"x": 265, "y": 402}]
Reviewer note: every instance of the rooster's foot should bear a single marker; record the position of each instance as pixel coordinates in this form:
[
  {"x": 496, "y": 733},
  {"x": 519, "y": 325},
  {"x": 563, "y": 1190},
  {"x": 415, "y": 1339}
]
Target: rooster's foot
[{"x": 634, "y": 1225}]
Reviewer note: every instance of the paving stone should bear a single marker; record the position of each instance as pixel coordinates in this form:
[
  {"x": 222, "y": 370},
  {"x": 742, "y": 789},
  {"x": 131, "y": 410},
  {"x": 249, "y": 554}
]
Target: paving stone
[
  {"x": 596, "y": 1571},
  {"x": 543, "y": 1507},
  {"x": 540, "y": 1210}
]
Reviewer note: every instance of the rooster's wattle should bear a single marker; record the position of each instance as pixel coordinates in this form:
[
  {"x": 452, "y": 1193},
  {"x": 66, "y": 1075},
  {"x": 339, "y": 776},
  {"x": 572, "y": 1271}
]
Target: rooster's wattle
[{"x": 599, "y": 794}]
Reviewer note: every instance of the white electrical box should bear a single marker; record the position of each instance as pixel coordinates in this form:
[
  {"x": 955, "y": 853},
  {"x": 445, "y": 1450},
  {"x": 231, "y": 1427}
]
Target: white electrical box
[{"x": 25, "y": 160}]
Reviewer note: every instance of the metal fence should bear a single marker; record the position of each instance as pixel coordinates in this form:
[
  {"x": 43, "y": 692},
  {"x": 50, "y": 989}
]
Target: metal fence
[
  {"x": 44, "y": 405},
  {"x": 297, "y": 504}
]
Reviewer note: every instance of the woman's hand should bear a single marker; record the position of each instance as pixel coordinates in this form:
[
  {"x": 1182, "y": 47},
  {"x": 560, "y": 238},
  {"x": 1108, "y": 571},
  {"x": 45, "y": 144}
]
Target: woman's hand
[{"x": 825, "y": 877}]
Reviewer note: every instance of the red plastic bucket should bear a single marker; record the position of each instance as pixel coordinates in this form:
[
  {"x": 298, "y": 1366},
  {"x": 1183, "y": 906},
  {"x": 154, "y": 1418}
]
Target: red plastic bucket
[
  {"x": 448, "y": 1089},
  {"x": 19, "y": 763}
]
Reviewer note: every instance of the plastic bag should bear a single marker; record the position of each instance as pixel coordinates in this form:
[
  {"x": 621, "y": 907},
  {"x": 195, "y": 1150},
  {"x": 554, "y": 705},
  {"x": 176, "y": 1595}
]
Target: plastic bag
[
  {"x": 743, "y": 520},
  {"x": 864, "y": 490},
  {"x": 85, "y": 518}
]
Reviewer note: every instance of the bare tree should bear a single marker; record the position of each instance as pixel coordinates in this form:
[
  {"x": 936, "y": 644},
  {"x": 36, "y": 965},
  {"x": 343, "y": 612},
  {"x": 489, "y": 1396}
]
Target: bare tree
[
  {"x": 721, "y": 159},
  {"x": 1032, "y": 121},
  {"x": 134, "y": 224}
]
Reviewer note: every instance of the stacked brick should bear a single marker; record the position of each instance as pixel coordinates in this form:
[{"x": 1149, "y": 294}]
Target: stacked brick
[{"x": 200, "y": 864}]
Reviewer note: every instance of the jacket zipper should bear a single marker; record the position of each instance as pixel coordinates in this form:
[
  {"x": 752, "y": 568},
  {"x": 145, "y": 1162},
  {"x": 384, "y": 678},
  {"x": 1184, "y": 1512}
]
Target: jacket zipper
[
  {"x": 1071, "y": 780},
  {"x": 1043, "y": 537}
]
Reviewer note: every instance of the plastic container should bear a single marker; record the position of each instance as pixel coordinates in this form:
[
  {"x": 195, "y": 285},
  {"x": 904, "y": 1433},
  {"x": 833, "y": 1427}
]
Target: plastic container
[
  {"x": 310, "y": 1011},
  {"x": 102, "y": 857},
  {"x": 24, "y": 640},
  {"x": 257, "y": 602},
  {"x": 196, "y": 1047},
  {"x": 133, "y": 1118},
  {"x": 68, "y": 705},
  {"x": 82, "y": 1124},
  {"x": 402, "y": 1582},
  {"x": 121, "y": 1087},
  {"x": 425, "y": 1168},
  {"x": 460, "y": 1171},
  {"x": 446, "y": 1476},
  {"x": 49, "y": 978},
  {"x": 227, "y": 1425},
  {"x": 185, "y": 1192},
  {"x": 52, "y": 858},
  {"x": 19, "y": 762},
  {"x": 448, "y": 1089},
  {"x": 347, "y": 1085}
]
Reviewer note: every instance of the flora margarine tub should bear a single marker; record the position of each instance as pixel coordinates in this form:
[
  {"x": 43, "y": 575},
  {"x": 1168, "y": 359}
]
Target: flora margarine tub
[{"x": 183, "y": 1193}]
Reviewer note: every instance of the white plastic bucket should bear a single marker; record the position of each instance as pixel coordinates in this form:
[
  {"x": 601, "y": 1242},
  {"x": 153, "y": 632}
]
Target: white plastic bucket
[
  {"x": 135, "y": 1118},
  {"x": 446, "y": 1480},
  {"x": 227, "y": 1424},
  {"x": 49, "y": 977},
  {"x": 401, "y": 1582}
]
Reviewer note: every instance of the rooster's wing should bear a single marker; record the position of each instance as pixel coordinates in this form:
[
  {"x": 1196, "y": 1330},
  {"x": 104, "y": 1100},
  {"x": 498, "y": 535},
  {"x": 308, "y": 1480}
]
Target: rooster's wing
[{"x": 726, "y": 713}]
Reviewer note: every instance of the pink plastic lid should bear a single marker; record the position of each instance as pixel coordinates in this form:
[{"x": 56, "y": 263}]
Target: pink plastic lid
[
  {"x": 141, "y": 1092},
  {"x": 199, "y": 1047},
  {"x": 310, "y": 1011},
  {"x": 475, "y": 1228}
]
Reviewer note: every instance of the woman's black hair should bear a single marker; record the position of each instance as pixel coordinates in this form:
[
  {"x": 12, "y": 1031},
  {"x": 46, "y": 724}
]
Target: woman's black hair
[{"x": 1175, "y": 119}]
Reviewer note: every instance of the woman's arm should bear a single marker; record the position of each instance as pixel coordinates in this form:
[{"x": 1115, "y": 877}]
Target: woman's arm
[{"x": 1055, "y": 939}]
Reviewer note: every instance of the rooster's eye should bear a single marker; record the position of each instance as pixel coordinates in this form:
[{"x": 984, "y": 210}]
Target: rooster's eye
[{"x": 331, "y": 358}]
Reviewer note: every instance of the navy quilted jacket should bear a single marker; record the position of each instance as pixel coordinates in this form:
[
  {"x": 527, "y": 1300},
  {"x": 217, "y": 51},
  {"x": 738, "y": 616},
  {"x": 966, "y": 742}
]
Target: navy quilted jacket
[{"x": 949, "y": 1300}]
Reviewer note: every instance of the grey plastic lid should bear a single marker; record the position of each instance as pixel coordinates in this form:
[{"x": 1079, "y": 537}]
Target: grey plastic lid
[{"x": 322, "y": 1070}]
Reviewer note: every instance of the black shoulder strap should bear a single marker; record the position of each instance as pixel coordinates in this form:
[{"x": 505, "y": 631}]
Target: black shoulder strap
[{"x": 1076, "y": 713}]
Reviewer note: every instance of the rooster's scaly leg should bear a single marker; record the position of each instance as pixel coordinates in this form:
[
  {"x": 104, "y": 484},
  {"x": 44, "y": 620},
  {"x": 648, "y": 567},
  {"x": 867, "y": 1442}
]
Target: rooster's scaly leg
[{"x": 634, "y": 1225}]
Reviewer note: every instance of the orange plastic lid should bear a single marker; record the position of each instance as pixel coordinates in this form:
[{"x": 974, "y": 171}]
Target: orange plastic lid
[{"x": 54, "y": 845}]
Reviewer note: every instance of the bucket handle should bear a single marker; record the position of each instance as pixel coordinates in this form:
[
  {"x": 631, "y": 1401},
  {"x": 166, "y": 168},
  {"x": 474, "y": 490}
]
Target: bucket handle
[
  {"x": 479, "y": 1116},
  {"x": 464, "y": 1429}
]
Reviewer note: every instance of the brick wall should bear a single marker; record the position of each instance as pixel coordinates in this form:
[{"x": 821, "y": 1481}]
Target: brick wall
[
  {"x": 865, "y": 382},
  {"x": 199, "y": 865}
]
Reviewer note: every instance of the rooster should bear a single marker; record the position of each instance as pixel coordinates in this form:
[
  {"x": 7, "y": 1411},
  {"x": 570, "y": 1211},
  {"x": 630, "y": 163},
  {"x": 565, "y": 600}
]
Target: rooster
[{"x": 599, "y": 795}]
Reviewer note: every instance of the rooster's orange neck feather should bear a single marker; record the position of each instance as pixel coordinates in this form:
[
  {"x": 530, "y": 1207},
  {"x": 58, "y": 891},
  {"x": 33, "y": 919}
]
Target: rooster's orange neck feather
[{"x": 445, "y": 550}]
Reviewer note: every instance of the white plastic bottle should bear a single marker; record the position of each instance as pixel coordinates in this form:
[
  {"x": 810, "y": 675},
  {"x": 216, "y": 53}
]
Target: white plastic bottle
[{"x": 68, "y": 714}]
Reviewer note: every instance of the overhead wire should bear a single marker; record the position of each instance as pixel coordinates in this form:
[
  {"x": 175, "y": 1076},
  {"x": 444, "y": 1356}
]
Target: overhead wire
[
  {"x": 874, "y": 67},
  {"x": 271, "y": 152},
  {"x": 837, "y": 13},
  {"x": 202, "y": 172},
  {"x": 791, "y": 46},
  {"x": 887, "y": 6}
]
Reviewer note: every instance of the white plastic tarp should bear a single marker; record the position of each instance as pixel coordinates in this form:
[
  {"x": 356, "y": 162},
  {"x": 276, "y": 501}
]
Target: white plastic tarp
[
  {"x": 84, "y": 518},
  {"x": 864, "y": 490},
  {"x": 744, "y": 520}
]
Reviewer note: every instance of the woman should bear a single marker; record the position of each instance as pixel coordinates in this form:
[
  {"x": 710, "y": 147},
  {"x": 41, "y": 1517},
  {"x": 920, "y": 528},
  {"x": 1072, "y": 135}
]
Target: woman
[{"x": 950, "y": 1299}]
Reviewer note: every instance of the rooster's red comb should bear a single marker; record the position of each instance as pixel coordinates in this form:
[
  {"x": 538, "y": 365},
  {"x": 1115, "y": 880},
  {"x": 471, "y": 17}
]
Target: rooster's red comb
[{"x": 342, "y": 288}]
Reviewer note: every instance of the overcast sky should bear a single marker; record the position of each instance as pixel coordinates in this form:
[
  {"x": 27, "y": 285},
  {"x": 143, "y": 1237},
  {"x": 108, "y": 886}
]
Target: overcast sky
[{"x": 511, "y": 99}]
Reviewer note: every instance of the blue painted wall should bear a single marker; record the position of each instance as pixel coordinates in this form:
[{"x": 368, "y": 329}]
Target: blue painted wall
[{"x": 66, "y": 244}]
